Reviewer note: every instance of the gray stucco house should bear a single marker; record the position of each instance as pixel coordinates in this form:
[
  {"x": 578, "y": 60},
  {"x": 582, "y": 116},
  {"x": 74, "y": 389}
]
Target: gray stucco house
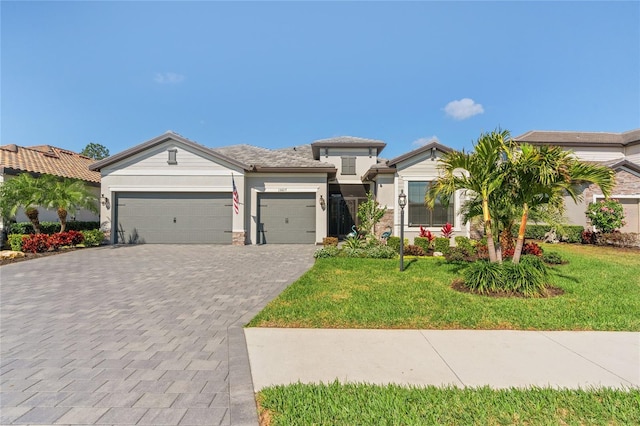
[{"x": 173, "y": 190}]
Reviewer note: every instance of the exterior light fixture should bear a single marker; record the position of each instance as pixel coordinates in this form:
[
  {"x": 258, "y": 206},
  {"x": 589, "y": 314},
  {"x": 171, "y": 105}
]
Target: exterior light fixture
[
  {"x": 402, "y": 202},
  {"x": 323, "y": 203}
]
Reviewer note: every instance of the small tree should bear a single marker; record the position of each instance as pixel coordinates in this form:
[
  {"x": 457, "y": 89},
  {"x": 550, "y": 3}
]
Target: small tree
[
  {"x": 370, "y": 214},
  {"x": 606, "y": 215},
  {"x": 95, "y": 151},
  {"x": 67, "y": 196}
]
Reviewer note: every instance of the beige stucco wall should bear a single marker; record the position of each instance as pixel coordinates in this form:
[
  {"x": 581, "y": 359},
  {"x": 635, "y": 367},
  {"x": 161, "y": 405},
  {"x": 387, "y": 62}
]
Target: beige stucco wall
[
  {"x": 149, "y": 172},
  {"x": 289, "y": 183},
  {"x": 363, "y": 161}
]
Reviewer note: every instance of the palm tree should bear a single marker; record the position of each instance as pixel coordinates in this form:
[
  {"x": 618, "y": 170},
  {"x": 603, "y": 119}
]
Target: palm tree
[
  {"x": 481, "y": 172},
  {"x": 22, "y": 191},
  {"x": 542, "y": 175},
  {"x": 67, "y": 196}
]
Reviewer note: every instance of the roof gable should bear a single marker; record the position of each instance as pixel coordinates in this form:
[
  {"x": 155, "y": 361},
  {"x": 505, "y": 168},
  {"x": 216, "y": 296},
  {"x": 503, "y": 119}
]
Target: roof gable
[
  {"x": 430, "y": 147},
  {"x": 166, "y": 137}
]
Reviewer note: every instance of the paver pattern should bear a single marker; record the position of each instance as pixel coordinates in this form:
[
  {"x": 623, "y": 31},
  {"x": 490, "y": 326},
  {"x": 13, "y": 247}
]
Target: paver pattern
[{"x": 147, "y": 334}]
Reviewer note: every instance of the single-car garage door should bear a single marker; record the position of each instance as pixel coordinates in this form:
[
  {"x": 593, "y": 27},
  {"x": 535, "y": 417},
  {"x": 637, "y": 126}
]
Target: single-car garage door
[
  {"x": 287, "y": 218},
  {"x": 174, "y": 217}
]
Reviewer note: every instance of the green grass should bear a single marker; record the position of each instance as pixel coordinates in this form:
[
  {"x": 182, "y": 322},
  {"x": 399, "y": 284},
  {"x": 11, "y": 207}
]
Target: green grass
[
  {"x": 601, "y": 285},
  {"x": 359, "y": 404}
]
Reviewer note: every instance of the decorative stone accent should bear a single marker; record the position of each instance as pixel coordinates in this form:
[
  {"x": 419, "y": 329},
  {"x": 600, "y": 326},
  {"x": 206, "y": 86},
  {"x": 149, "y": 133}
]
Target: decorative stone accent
[
  {"x": 238, "y": 238},
  {"x": 385, "y": 223}
]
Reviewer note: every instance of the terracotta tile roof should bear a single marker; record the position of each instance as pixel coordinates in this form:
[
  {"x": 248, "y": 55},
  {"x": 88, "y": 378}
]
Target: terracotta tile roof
[{"x": 48, "y": 159}]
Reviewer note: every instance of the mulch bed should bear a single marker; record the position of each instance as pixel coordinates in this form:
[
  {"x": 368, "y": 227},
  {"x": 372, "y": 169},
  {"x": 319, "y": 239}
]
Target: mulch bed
[
  {"x": 29, "y": 256},
  {"x": 459, "y": 285}
]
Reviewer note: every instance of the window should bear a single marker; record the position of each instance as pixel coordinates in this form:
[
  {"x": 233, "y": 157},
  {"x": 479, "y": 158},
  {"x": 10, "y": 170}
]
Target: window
[
  {"x": 419, "y": 214},
  {"x": 348, "y": 165},
  {"x": 172, "y": 156}
]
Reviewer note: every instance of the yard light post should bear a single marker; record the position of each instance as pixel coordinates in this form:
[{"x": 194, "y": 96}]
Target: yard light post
[{"x": 402, "y": 201}]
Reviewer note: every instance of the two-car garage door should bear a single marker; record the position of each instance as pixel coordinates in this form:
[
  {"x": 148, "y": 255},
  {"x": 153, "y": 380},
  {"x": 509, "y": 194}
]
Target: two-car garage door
[{"x": 174, "y": 217}]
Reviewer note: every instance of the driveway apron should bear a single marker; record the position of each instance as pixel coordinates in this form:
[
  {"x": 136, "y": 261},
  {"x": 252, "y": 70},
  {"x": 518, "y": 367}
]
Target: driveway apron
[{"x": 146, "y": 334}]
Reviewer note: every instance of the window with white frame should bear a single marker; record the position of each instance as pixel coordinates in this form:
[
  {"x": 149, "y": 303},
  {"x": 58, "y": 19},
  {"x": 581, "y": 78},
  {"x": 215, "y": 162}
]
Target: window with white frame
[{"x": 419, "y": 214}]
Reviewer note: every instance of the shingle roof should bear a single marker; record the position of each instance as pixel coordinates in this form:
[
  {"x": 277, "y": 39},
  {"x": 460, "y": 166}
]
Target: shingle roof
[
  {"x": 267, "y": 158},
  {"x": 303, "y": 151},
  {"x": 579, "y": 138},
  {"x": 48, "y": 159}
]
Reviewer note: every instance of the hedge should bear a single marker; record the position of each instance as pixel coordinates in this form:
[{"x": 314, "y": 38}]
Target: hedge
[
  {"x": 52, "y": 227},
  {"x": 570, "y": 234}
]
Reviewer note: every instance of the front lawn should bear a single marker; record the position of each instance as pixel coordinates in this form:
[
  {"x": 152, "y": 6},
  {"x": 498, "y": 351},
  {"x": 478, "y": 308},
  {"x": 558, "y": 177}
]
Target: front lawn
[
  {"x": 601, "y": 292},
  {"x": 353, "y": 404}
]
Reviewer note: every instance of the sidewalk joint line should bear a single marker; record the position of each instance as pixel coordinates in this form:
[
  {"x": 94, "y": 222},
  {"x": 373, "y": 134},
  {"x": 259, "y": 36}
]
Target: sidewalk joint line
[
  {"x": 442, "y": 358},
  {"x": 585, "y": 358}
]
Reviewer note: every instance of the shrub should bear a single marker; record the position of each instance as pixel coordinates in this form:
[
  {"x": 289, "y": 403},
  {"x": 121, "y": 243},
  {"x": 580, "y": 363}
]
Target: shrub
[
  {"x": 525, "y": 278},
  {"x": 394, "y": 242},
  {"x": 35, "y": 243},
  {"x": 328, "y": 251},
  {"x": 52, "y": 227},
  {"x": 535, "y": 262},
  {"x": 532, "y": 248},
  {"x": 330, "y": 241},
  {"x": 442, "y": 245},
  {"x": 460, "y": 254},
  {"x": 353, "y": 242},
  {"x": 413, "y": 250},
  {"x": 93, "y": 238},
  {"x": 483, "y": 277},
  {"x": 553, "y": 258},
  {"x": 425, "y": 233},
  {"x": 571, "y": 234},
  {"x": 422, "y": 242},
  {"x": 618, "y": 239},
  {"x": 588, "y": 237},
  {"x": 606, "y": 215},
  {"x": 354, "y": 252},
  {"x": 381, "y": 252},
  {"x": 466, "y": 243},
  {"x": 15, "y": 241},
  {"x": 482, "y": 251}
]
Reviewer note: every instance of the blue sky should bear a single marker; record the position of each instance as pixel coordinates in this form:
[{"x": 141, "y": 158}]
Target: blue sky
[{"x": 277, "y": 74}]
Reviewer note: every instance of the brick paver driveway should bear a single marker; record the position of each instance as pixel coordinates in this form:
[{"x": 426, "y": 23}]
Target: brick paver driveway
[{"x": 147, "y": 334}]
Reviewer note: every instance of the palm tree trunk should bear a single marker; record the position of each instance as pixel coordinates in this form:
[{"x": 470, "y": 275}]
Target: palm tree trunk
[
  {"x": 62, "y": 215},
  {"x": 32, "y": 214},
  {"x": 521, "y": 231},
  {"x": 487, "y": 229}
]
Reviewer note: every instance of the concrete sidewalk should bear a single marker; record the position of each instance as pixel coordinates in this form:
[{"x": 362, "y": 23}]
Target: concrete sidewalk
[{"x": 500, "y": 359}]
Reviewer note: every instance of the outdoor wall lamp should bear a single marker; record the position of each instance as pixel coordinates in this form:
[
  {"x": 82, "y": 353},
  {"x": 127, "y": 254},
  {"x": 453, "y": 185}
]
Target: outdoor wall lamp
[
  {"x": 323, "y": 203},
  {"x": 104, "y": 200},
  {"x": 402, "y": 202}
]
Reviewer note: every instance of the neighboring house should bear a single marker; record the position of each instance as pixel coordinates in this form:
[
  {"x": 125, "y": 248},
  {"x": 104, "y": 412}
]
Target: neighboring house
[
  {"x": 45, "y": 159},
  {"x": 619, "y": 151},
  {"x": 173, "y": 190}
]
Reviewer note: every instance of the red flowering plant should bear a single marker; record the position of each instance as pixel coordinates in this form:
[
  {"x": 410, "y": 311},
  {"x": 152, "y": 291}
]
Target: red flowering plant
[
  {"x": 425, "y": 233},
  {"x": 36, "y": 243},
  {"x": 447, "y": 230}
]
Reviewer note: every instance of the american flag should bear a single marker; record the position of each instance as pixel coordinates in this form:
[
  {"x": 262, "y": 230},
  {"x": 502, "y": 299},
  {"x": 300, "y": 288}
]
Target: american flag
[{"x": 236, "y": 197}]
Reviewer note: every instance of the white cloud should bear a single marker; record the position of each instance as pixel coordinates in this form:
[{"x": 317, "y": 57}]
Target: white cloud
[
  {"x": 424, "y": 141},
  {"x": 463, "y": 109},
  {"x": 168, "y": 78}
]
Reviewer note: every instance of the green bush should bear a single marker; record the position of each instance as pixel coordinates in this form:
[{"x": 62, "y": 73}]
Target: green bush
[
  {"x": 442, "y": 245},
  {"x": 465, "y": 243},
  {"x": 15, "y": 241},
  {"x": 572, "y": 234},
  {"x": 413, "y": 250},
  {"x": 52, "y": 227},
  {"x": 553, "y": 258},
  {"x": 381, "y": 252},
  {"x": 422, "y": 242},
  {"x": 606, "y": 215},
  {"x": 483, "y": 277},
  {"x": 525, "y": 278},
  {"x": 354, "y": 252},
  {"x": 394, "y": 242},
  {"x": 569, "y": 233},
  {"x": 353, "y": 243},
  {"x": 93, "y": 237},
  {"x": 460, "y": 254},
  {"x": 328, "y": 251}
]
